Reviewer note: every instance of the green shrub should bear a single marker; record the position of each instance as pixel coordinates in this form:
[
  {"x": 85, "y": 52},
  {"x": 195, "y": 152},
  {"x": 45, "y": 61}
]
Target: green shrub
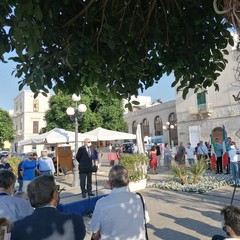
[
  {"x": 135, "y": 164},
  {"x": 198, "y": 169},
  {"x": 179, "y": 171},
  {"x": 14, "y": 161}
]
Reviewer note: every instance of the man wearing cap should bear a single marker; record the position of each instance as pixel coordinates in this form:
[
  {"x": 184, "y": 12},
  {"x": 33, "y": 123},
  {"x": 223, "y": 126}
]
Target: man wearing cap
[{"x": 84, "y": 157}]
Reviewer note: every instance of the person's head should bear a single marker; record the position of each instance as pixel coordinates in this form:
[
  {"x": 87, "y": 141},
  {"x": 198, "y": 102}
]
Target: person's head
[
  {"x": 229, "y": 139},
  {"x": 232, "y": 144},
  {"x": 166, "y": 145},
  {"x": 216, "y": 140},
  {"x": 44, "y": 153},
  {"x": 153, "y": 148},
  {"x": 118, "y": 177},
  {"x": 188, "y": 144},
  {"x": 181, "y": 143},
  {"x": 231, "y": 220},
  {"x": 200, "y": 143},
  {"x": 87, "y": 142},
  {"x": 2, "y": 159},
  {"x": 7, "y": 181},
  {"x": 30, "y": 156},
  {"x": 35, "y": 156},
  {"x": 42, "y": 191}
]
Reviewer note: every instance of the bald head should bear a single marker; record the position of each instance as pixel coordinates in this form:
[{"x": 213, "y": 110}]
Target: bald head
[{"x": 87, "y": 141}]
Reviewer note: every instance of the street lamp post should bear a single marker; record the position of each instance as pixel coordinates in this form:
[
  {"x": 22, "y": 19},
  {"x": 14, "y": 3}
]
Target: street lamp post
[
  {"x": 168, "y": 128},
  {"x": 73, "y": 113}
]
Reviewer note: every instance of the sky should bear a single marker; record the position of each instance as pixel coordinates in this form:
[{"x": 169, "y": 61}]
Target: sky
[{"x": 9, "y": 87}]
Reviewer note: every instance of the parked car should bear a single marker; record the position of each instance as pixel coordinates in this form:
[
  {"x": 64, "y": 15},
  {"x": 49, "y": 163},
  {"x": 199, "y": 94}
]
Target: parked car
[
  {"x": 19, "y": 155},
  {"x": 127, "y": 147},
  {"x": 4, "y": 153}
]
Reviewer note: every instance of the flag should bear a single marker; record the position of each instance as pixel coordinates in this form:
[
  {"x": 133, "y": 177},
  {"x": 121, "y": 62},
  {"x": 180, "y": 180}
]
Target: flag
[
  {"x": 225, "y": 152},
  {"x": 213, "y": 154}
]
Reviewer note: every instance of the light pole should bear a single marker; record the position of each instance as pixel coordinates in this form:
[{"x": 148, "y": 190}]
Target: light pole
[
  {"x": 168, "y": 128},
  {"x": 73, "y": 113}
]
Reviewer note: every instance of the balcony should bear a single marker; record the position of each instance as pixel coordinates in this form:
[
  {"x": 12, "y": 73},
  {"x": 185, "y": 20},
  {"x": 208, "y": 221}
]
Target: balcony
[{"x": 202, "y": 110}]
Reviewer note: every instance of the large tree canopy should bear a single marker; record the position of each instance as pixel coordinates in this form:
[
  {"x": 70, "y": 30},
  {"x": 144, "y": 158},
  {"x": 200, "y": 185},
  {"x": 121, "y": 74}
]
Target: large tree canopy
[
  {"x": 6, "y": 127},
  {"x": 121, "y": 46},
  {"x": 106, "y": 113}
]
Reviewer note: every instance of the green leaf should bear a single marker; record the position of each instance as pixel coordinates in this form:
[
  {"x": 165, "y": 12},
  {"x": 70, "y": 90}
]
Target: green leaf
[{"x": 38, "y": 13}]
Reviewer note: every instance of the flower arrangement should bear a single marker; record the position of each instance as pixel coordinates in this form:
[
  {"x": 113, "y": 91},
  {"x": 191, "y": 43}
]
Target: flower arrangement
[{"x": 207, "y": 182}]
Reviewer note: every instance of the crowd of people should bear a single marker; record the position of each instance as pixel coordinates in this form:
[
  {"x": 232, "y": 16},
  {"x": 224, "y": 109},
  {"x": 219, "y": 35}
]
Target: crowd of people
[
  {"x": 179, "y": 154},
  {"x": 37, "y": 216},
  {"x": 38, "y": 195}
]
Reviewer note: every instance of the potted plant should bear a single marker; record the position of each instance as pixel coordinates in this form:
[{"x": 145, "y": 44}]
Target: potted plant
[{"x": 136, "y": 164}]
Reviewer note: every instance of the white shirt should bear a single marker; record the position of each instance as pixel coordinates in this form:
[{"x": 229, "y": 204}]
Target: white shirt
[
  {"x": 232, "y": 153},
  {"x": 14, "y": 208},
  {"x": 119, "y": 216},
  {"x": 190, "y": 152}
]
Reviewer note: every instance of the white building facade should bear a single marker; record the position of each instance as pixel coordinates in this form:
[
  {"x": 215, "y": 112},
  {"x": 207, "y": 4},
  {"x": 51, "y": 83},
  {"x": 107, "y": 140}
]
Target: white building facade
[
  {"x": 199, "y": 115},
  {"x": 158, "y": 121},
  {"x": 28, "y": 118},
  {"x": 202, "y": 113}
]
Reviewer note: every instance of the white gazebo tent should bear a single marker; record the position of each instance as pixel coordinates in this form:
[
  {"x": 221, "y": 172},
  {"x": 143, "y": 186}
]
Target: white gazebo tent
[
  {"x": 55, "y": 136},
  {"x": 103, "y": 134}
]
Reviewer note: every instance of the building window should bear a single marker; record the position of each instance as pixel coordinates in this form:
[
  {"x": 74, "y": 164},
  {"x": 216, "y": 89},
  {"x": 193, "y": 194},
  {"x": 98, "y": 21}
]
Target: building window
[
  {"x": 35, "y": 127},
  {"x": 201, "y": 98},
  {"x": 134, "y": 127},
  {"x": 16, "y": 107},
  {"x": 35, "y": 105},
  {"x": 21, "y": 108},
  {"x": 158, "y": 126},
  {"x": 145, "y": 127},
  {"x": 21, "y": 124}
]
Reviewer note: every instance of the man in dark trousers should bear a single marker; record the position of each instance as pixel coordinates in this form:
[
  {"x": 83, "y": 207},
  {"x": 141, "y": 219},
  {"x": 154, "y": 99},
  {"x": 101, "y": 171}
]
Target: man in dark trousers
[
  {"x": 84, "y": 157},
  {"x": 47, "y": 222}
]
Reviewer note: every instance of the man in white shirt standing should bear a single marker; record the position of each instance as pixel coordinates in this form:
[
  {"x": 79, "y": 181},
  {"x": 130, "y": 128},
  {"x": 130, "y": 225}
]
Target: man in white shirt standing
[
  {"x": 190, "y": 151},
  {"x": 120, "y": 215},
  {"x": 45, "y": 164}
]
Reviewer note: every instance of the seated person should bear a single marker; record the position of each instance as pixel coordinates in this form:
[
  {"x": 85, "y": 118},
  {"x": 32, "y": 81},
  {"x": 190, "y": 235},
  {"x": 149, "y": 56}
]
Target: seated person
[
  {"x": 11, "y": 207},
  {"x": 113, "y": 216},
  {"x": 4, "y": 164},
  {"x": 47, "y": 222},
  {"x": 230, "y": 223}
]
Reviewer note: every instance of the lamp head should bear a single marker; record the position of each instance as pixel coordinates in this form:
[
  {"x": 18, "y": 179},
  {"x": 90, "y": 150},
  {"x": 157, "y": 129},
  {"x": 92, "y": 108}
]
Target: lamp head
[
  {"x": 76, "y": 98},
  {"x": 82, "y": 108},
  {"x": 70, "y": 111}
]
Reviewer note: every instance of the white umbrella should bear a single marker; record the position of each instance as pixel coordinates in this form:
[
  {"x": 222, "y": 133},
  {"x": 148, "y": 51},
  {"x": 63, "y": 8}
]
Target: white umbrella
[
  {"x": 103, "y": 134},
  {"x": 56, "y": 135},
  {"x": 139, "y": 139}
]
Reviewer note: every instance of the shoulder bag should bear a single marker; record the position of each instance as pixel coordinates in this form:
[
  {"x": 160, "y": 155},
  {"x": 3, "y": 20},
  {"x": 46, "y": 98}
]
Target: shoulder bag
[{"x": 145, "y": 223}]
